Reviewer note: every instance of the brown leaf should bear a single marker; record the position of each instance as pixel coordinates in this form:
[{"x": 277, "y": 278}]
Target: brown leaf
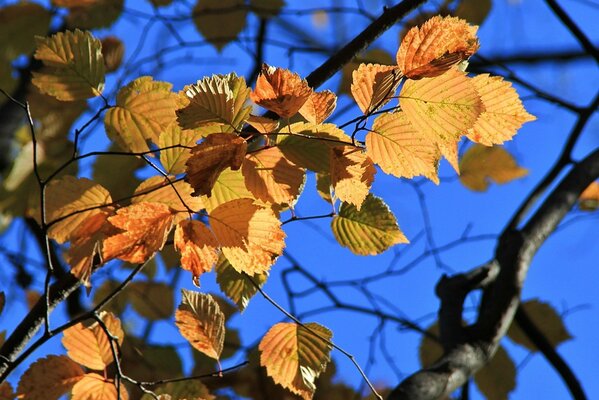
[
  {"x": 197, "y": 245},
  {"x": 319, "y": 106},
  {"x": 6, "y": 392},
  {"x": 263, "y": 124},
  {"x": 113, "y": 50},
  {"x": 219, "y": 21},
  {"x": 151, "y": 300},
  {"x": 49, "y": 378}
]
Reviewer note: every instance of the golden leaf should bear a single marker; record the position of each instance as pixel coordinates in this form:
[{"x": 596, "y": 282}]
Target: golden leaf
[
  {"x": 209, "y": 158},
  {"x": 201, "y": 322},
  {"x": 589, "y": 198},
  {"x": 281, "y": 91},
  {"x": 145, "y": 227},
  {"x": 373, "y": 85},
  {"x": 263, "y": 124},
  {"x": 73, "y": 66},
  {"x": 174, "y": 193},
  {"x": 433, "y": 48},
  {"x": 319, "y": 106},
  {"x": 374, "y": 56},
  {"x": 19, "y": 25},
  {"x": 352, "y": 174},
  {"x": 295, "y": 355},
  {"x": 401, "y": 150},
  {"x": 49, "y": 378},
  {"x": 250, "y": 235},
  {"x": 197, "y": 245},
  {"x": 95, "y": 387},
  {"x": 219, "y": 21},
  {"x": 230, "y": 185},
  {"x": 237, "y": 286},
  {"x": 481, "y": 163},
  {"x": 113, "y": 50}
]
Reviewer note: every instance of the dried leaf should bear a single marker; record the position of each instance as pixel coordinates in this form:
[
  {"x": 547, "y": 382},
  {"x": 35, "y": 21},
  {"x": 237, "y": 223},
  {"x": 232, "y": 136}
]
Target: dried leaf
[
  {"x": 113, "y": 50},
  {"x": 373, "y": 85},
  {"x": 201, "y": 322},
  {"x": 369, "y": 231},
  {"x": 95, "y": 387},
  {"x": 481, "y": 164},
  {"x": 589, "y": 198},
  {"x": 19, "y": 25},
  {"x": 49, "y": 378},
  {"x": 319, "y": 106},
  {"x": 352, "y": 174},
  {"x": 237, "y": 286},
  {"x": 151, "y": 300},
  {"x": 197, "y": 245},
  {"x": 219, "y": 21}
]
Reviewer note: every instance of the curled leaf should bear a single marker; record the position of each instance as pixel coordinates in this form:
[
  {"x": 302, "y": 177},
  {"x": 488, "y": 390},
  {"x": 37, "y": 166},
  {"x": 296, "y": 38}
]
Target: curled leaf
[{"x": 373, "y": 85}]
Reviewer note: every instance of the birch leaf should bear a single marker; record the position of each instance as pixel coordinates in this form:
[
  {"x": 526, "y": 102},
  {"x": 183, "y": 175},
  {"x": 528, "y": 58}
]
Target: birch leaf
[
  {"x": 281, "y": 91},
  {"x": 319, "y": 106},
  {"x": 352, "y": 174},
  {"x": 481, "y": 164},
  {"x": 235, "y": 285},
  {"x": 95, "y": 387},
  {"x": 197, "y": 245},
  {"x": 373, "y": 85},
  {"x": 49, "y": 378}
]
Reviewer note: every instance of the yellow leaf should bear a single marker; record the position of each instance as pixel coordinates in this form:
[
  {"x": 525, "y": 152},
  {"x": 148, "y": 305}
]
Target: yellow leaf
[
  {"x": 173, "y": 159},
  {"x": 433, "y": 48},
  {"x": 176, "y": 194},
  {"x": 197, "y": 245},
  {"x": 201, "y": 322},
  {"x": 49, "y": 378},
  {"x": 294, "y": 355},
  {"x": 236, "y": 285},
  {"x": 442, "y": 108},
  {"x": 481, "y": 164},
  {"x": 369, "y": 231},
  {"x": 144, "y": 109},
  {"x": 113, "y": 50},
  {"x": 281, "y": 91},
  {"x": 271, "y": 177},
  {"x": 209, "y": 158},
  {"x": 401, "y": 150},
  {"x": 220, "y": 21},
  {"x": 373, "y": 85},
  {"x": 73, "y": 66},
  {"x": 66, "y": 198},
  {"x": 263, "y": 124},
  {"x": 352, "y": 174},
  {"x": 319, "y": 106},
  {"x": 589, "y": 198},
  {"x": 145, "y": 227},
  {"x": 93, "y": 14},
  {"x": 374, "y": 56},
  {"x": 19, "y": 24},
  {"x": 151, "y": 300},
  {"x": 503, "y": 113},
  {"x": 230, "y": 185},
  {"x": 250, "y": 235},
  {"x": 95, "y": 387}
]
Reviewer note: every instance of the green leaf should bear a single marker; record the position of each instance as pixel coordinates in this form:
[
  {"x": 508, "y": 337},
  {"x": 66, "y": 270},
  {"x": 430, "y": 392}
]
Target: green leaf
[
  {"x": 369, "y": 231},
  {"x": 173, "y": 160},
  {"x": 235, "y": 285}
]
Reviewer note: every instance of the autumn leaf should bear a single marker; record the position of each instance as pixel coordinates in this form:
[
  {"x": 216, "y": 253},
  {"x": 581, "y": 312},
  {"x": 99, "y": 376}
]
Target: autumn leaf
[
  {"x": 503, "y": 113},
  {"x": 263, "y": 124},
  {"x": 151, "y": 300},
  {"x": 235, "y": 285},
  {"x": 271, "y": 177},
  {"x": 589, "y": 198},
  {"x": 49, "y": 378},
  {"x": 6, "y": 392},
  {"x": 145, "y": 227},
  {"x": 113, "y": 50},
  {"x": 374, "y": 56},
  {"x": 121, "y": 186},
  {"x": 323, "y": 187},
  {"x": 201, "y": 322},
  {"x": 373, "y": 85},
  {"x": 95, "y": 387},
  {"x": 51, "y": 113},
  {"x": 73, "y": 66},
  {"x": 197, "y": 245},
  {"x": 369, "y": 231},
  {"x": 183, "y": 390},
  {"x": 481, "y": 164},
  {"x": 230, "y": 185},
  {"x": 91, "y": 14},
  {"x": 176, "y": 144},
  {"x": 174, "y": 193},
  {"x": 19, "y": 25},
  {"x": 352, "y": 174},
  {"x": 267, "y": 8},
  {"x": 144, "y": 109},
  {"x": 443, "y": 109},
  {"x": 319, "y": 106},
  {"x": 433, "y": 48},
  {"x": 219, "y": 21},
  {"x": 250, "y": 235},
  {"x": 209, "y": 158},
  {"x": 295, "y": 355},
  {"x": 89, "y": 345},
  {"x": 281, "y": 91}
]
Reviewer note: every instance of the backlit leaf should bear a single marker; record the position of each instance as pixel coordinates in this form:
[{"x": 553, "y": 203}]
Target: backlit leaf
[
  {"x": 197, "y": 245},
  {"x": 144, "y": 109},
  {"x": 73, "y": 66},
  {"x": 236, "y": 285},
  {"x": 294, "y": 355},
  {"x": 319, "y": 106},
  {"x": 271, "y": 177},
  {"x": 174, "y": 193},
  {"x": 250, "y": 235},
  {"x": 480, "y": 164},
  {"x": 442, "y": 108},
  {"x": 113, "y": 50},
  {"x": 151, "y": 300},
  {"x": 145, "y": 228},
  {"x": 589, "y": 198},
  {"x": 374, "y": 56},
  {"x": 323, "y": 187},
  {"x": 219, "y": 21},
  {"x": 369, "y": 231},
  {"x": 49, "y": 378},
  {"x": 437, "y": 45},
  {"x": 209, "y": 158},
  {"x": 281, "y": 91},
  {"x": 373, "y": 85},
  {"x": 95, "y": 387},
  {"x": 201, "y": 322},
  {"x": 263, "y": 124},
  {"x": 173, "y": 159},
  {"x": 352, "y": 174},
  {"x": 503, "y": 113},
  {"x": 401, "y": 150},
  {"x": 230, "y": 185},
  {"x": 19, "y": 24}
]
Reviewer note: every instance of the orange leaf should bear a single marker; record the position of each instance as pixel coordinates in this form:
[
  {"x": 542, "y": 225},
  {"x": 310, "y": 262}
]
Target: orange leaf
[
  {"x": 89, "y": 345},
  {"x": 401, "y": 150},
  {"x": 433, "y": 48},
  {"x": 481, "y": 163},
  {"x": 216, "y": 153},
  {"x": 49, "y": 378},
  {"x": 201, "y": 322},
  {"x": 352, "y": 174},
  {"x": 271, "y": 177},
  {"x": 373, "y": 85},
  {"x": 589, "y": 198},
  {"x": 443, "y": 109},
  {"x": 145, "y": 228},
  {"x": 250, "y": 235},
  {"x": 197, "y": 245},
  {"x": 503, "y": 112},
  {"x": 95, "y": 387},
  {"x": 319, "y": 106},
  {"x": 263, "y": 124},
  {"x": 281, "y": 91},
  {"x": 175, "y": 194}
]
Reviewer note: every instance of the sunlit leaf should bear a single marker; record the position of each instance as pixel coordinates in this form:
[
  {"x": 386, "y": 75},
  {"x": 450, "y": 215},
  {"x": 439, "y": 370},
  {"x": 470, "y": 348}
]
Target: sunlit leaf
[
  {"x": 73, "y": 66},
  {"x": 263, "y": 124},
  {"x": 19, "y": 24},
  {"x": 374, "y": 56},
  {"x": 589, "y": 198},
  {"x": 352, "y": 174},
  {"x": 319, "y": 106},
  {"x": 173, "y": 159},
  {"x": 49, "y": 378},
  {"x": 373, "y": 85},
  {"x": 369, "y": 231},
  {"x": 95, "y": 387},
  {"x": 197, "y": 245},
  {"x": 294, "y": 355},
  {"x": 219, "y": 21},
  {"x": 174, "y": 193},
  {"x": 236, "y": 285},
  {"x": 230, "y": 185},
  {"x": 151, "y": 300},
  {"x": 113, "y": 50},
  {"x": 201, "y": 322},
  {"x": 480, "y": 164}
]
